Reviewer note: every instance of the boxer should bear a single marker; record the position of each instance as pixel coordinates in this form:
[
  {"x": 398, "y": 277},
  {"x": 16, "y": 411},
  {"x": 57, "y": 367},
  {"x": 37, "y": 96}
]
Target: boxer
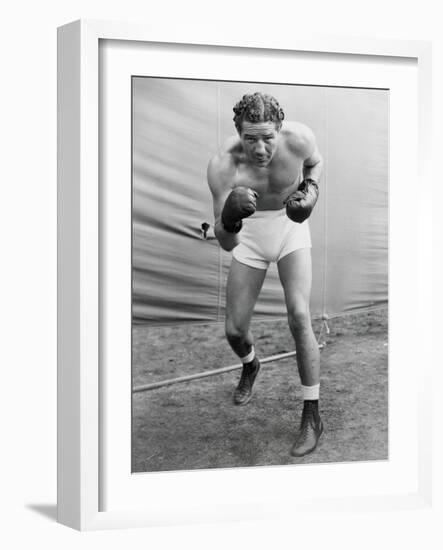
[{"x": 264, "y": 185}]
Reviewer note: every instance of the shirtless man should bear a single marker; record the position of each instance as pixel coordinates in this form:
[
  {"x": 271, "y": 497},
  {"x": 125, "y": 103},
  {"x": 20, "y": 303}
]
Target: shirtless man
[{"x": 264, "y": 186}]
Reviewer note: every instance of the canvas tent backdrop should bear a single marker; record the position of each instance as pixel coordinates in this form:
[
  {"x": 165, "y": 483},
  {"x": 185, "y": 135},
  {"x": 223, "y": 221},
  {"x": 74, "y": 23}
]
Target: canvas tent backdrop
[{"x": 178, "y": 125}]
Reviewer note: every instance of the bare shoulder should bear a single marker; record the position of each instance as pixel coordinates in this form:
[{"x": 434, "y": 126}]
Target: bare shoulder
[
  {"x": 299, "y": 138},
  {"x": 222, "y": 166}
]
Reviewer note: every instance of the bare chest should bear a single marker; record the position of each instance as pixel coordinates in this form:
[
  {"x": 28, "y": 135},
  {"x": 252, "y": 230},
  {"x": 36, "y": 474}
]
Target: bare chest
[{"x": 273, "y": 184}]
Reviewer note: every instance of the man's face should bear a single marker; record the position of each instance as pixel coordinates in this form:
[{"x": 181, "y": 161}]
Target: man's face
[{"x": 259, "y": 140}]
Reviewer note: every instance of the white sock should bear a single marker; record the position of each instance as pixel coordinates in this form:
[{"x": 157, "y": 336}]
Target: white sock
[
  {"x": 310, "y": 393},
  {"x": 248, "y": 358}
]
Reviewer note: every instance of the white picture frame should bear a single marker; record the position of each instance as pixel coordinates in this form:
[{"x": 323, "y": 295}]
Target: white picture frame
[{"x": 80, "y": 367}]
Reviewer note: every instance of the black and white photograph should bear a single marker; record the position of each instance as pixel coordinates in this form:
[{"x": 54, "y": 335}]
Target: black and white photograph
[
  {"x": 222, "y": 265},
  {"x": 259, "y": 274}
]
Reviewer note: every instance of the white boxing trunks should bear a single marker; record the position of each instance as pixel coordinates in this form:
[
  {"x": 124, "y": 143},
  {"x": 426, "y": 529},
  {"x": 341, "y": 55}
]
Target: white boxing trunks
[{"x": 269, "y": 235}]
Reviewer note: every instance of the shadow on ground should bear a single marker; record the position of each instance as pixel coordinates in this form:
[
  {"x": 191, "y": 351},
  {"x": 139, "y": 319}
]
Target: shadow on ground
[{"x": 46, "y": 510}]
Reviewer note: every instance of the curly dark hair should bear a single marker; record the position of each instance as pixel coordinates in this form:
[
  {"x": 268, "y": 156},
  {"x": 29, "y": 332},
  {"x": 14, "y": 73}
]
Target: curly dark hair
[{"x": 258, "y": 107}]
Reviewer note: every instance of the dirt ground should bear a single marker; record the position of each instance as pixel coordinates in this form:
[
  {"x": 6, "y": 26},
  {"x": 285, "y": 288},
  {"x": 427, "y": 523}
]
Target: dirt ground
[{"x": 194, "y": 424}]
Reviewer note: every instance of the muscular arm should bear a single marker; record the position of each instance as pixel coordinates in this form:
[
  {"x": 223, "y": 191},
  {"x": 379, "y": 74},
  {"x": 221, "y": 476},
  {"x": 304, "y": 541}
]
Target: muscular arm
[
  {"x": 302, "y": 143},
  {"x": 300, "y": 204},
  {"x": 220, "y": 191},
  {"x": 313, "y": 165}
]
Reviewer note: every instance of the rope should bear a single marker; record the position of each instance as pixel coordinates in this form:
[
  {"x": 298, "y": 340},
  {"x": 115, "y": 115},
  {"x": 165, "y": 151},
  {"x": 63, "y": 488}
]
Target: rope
[{"x": 187, "y": 378}]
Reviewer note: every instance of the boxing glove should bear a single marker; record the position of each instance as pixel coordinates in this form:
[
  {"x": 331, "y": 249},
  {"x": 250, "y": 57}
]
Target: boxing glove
[
  {"x": 300, "y": 204},
  {"x": 241, "y": 203}
]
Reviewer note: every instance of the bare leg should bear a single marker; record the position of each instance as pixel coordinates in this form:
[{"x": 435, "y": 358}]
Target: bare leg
[
  {"x": 244, "y": 284},
  {"x": 295, "y": 274},
  {"x": 243, "y": 287},
  {"x": 295, "y": 271}
]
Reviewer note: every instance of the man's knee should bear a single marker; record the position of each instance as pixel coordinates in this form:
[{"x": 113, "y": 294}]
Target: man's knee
[
  {"x": 299, "y": 317},
  {"x": 234, "y": 331}
]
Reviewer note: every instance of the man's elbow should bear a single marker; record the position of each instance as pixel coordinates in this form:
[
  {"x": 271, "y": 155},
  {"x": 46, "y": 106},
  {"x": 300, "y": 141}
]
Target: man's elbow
[
  {"x": 318, "y": 161},
  {"x": 317, "y": 167}
]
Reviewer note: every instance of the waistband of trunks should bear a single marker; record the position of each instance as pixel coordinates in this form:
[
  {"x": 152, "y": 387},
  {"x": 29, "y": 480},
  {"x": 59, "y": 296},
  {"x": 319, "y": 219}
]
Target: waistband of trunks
[{"x": 267, "y": 214}]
